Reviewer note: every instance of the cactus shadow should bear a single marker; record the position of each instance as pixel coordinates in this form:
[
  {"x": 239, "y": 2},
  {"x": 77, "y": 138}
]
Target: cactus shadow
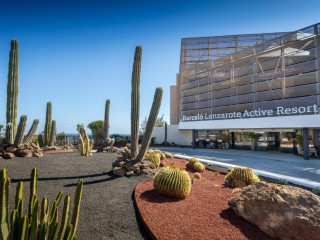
[
  {"x": 107, "y": 176},
  {"x": 152, "y": 196},
  {"x": 110, "y": 177}
]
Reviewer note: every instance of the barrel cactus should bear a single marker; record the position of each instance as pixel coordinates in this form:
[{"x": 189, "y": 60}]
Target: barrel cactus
[
  {"x": 199, "y": 167},
  {"x": 172, "y": 182},
  {"x": 228, "y": 178},
  {"x": 163, "y": 156},
  {"x": 40, "y": 222},
  {"x": 191, "y": 162},
  {"x": 246, "y": 175},
  {"x": 168, "y": 155},
  {"x": 243, "y": 174},
  {"x": 154, "y": 158},
  {"x": 238, "y": 183}
]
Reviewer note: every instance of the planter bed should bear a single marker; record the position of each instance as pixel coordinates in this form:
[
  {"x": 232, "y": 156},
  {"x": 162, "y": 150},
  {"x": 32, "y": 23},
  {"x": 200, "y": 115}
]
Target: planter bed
[{"x": 204, "y": 214}]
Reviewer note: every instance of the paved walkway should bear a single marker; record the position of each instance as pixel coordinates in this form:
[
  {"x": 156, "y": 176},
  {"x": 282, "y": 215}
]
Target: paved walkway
[{"x": 274, "y": 162}]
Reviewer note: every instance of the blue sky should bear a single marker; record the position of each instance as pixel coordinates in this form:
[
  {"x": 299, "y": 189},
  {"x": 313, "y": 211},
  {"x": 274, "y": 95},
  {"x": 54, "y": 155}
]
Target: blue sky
[{"x": 78, "y": 54}]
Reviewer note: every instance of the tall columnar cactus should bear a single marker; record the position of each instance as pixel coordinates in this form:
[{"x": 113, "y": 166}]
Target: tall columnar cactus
[
  {"x": 106, "y": 125},
  {"x": 53, "y": 133},
  {"x": 13, "y": 85},
  {"x": 9, "y": 133},
  {"x": 40, "y": 140},
  {"x": 47, "y": 126},
  {"x": 21, "y": 129},
  {"x": 135, "y": 101},
  {"x": 172, "y": 182},
  {"x": 151, "y": 123},
  {"x": 41, "y": 222},
  {"x": 28, "y": 138},
  {"x": 85, "y": 144}
]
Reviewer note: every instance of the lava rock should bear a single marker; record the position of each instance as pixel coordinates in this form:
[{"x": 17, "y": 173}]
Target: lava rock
[
  {"x": 8, "y": 155},
  {"x": 24, "y": 153},
  {"x": 280, "y": 211},
  {"x": 130, "y": 174},
  {"x": 119, "y": 171}
]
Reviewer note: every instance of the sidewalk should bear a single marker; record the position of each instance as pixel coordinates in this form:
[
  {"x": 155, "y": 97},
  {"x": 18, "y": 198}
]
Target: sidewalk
[{"x": 271, "y": 164}]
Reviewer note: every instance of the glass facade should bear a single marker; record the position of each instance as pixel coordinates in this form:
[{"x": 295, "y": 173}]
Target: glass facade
[{"x": 250, "y": 76}]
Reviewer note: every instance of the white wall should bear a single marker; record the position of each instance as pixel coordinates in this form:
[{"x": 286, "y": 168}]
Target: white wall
[{"x": 180, "y": 137}]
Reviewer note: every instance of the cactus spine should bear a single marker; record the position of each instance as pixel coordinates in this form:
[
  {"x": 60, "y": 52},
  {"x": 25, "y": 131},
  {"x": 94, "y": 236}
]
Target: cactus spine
[
  {"x": 28, "y": 138},
  {"x": 13, "y": 85},
  {"x": 106, "y": 120},
  {"x": 135, "y": 101},
  {"x": 40, "y": 223},
  {"x": 9, "y": 133},
  {"x": 53, "y": 133},
  {"x": 85, "y": 143},
  {"x": 172, "y": 182},
  {"x": 21, "y": 129},
  {"x": 151, "y": 123},
  {"x": 47, "y": 126}
]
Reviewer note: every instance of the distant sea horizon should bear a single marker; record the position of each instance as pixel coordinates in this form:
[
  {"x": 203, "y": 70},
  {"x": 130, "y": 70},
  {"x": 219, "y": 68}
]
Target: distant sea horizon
[{"x": 75, "y": 135}]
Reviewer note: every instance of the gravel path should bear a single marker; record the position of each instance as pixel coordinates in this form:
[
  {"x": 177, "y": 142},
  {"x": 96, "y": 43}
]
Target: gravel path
[{"x": 107, "y": 210}]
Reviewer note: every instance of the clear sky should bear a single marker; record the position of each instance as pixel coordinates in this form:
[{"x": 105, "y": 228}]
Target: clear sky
[{"x": 77, "y": 54}]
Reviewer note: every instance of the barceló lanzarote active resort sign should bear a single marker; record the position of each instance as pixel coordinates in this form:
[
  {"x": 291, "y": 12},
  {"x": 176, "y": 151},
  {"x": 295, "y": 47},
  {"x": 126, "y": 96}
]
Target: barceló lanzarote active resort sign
[{"x": 279, "y": 111}]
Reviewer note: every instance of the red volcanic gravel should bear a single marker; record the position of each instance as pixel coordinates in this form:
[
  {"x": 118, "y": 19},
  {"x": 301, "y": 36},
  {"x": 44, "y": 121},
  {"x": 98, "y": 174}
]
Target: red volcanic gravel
[{"x": 204, "y": 214}]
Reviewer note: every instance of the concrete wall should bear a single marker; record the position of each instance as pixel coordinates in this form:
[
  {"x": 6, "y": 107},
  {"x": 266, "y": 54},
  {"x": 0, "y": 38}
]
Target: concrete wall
[{"x": 180, "y": 137}]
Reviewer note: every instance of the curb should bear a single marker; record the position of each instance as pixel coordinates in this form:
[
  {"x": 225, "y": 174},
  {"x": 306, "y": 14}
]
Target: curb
[
  {"x": 275, "y": 176},
  {"x": 151, "y": 235}
]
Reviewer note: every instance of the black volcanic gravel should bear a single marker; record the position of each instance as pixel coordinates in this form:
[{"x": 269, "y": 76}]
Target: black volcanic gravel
[{"x": 107, "y": 210}]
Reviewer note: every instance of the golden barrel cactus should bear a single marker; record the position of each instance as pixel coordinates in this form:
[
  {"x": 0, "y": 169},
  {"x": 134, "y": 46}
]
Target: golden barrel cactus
[
  {"x": 168, "y": 155},
  {"x": 191, "y": 162},
  {"x": 154, "y": 158},
  {"x": 246, "y": 175},
  {"x": 238, "y": 183},
  {"x": 199, "y": 167},
  {"x": 172, "y": 181}
]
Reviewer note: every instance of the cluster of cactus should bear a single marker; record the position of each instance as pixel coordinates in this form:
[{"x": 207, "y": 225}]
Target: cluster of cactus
[
  {"x": 241, "y": 177},
  {"x": 172, "y": 181},
  {"x": 50, "y": 130},
  {"x": 136, "y": 153},
  {"x": 155, "y": 156},
  {"x": 196, "y": 165},
  {"x": 41, "y": 222},
  {"x": 85, "y": 143},
  {"x": 126, "y": 153},
  {"x": 14, "y": 134}
]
